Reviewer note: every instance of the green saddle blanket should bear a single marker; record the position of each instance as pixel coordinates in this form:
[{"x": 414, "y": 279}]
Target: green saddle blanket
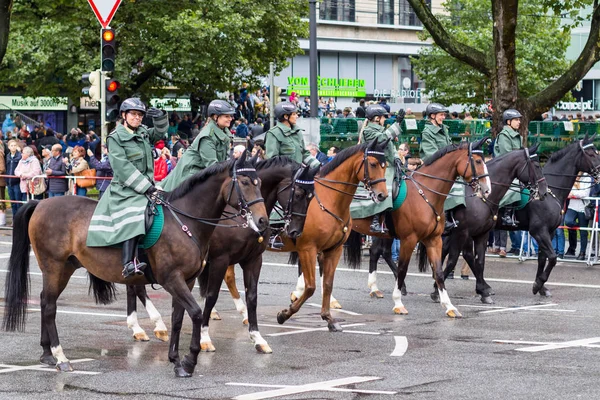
[
  {"x": 525, "y": 195},
  {"x": 153, "y": 234},
  {"x": 400, "y": 196}
]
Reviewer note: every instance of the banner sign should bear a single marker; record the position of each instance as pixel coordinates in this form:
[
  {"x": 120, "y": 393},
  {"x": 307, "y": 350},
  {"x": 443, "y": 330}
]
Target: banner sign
[
  {"x": 328, "y": 87},
  {"x": 36, "y": 104}
]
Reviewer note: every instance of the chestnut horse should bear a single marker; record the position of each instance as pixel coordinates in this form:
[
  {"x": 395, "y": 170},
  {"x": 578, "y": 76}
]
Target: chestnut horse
[
  {"x": 176, "y": 259},
  {"x": 421, "y": 217}
]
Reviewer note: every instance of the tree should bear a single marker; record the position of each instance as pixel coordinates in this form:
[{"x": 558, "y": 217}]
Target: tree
[
  {"x": 192, "y": 47},
  {"x": 502, "y": 61},
  {"x": 5, "y": 9}
]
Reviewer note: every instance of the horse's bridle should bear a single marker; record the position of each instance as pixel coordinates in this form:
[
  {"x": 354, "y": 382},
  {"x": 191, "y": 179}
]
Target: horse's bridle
[
  {"x": 288, "y": 211},
  {"x": 474, "y": 177},
  {"x": 243, "y": 205},
  {"x": 367, "y": 181},
  {"x": 594, "y": 170}
]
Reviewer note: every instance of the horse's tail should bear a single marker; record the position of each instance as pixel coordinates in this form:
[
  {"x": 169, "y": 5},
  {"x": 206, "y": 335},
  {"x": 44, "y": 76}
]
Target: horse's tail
[
  {"x": 422, "y": 257},
  {"x": 293, "y": 259},
  {"x": 203, "y": 283},
  {"x": 16, "y": 289},
  {"x": 104, "y": 292},
  {"x": 353, "y": 250}
]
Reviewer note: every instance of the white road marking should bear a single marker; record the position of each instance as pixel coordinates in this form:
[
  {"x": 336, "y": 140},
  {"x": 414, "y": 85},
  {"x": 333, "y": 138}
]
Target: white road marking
[
  {"x": 543, "y": 346},
  {"x": 40, "y": 274},
  {"x": 336, "y": 310},
  {"x": 514, "y": 308},
  {"x": 7, "y": 255},
  {"x": 401, "y": 346},
  {"x": 577, "y": 285},
  {"x": 45, "y": 368},
  {"x": 306, "y": 330},
  {"x": 328, "y": 386},
  {"x": 9, "y": 243},
  {"x": 83, "y": 313},
  {"x": 518, "y": 308}
]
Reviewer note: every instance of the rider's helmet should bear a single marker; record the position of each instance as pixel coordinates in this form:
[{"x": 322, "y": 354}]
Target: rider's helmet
[
  {"x": 509, "y": 114},
  {"x": 132, "y": 104},
  {"x": 434, "y": 108},
  {"x": 220, "y": 107},
  {"x": 375, "y": 110},
  {"x": 284, "y": 108}
]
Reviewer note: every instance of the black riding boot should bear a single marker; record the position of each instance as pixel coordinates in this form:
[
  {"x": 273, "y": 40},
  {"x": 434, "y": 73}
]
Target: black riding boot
[
  {"x": 451, "y": 223},
  {"x": 131, "y": 265},
  {"x": 376, "y": 227},
  {"x": 508, "y": 217}
]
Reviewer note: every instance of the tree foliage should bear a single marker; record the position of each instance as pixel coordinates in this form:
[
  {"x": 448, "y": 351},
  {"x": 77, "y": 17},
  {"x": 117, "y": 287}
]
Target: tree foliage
[
  {"x": 541, "y": 44},
  {"x": 192, "y": 47}
]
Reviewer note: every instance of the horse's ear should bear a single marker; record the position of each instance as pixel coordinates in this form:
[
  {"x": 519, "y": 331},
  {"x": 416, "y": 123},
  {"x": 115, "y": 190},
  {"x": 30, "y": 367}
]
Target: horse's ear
[
  {"x": 533, "y": 149},
  {"x": 585, "y": 138},
  {"x": 372, "y": 145},
  {"x": 312, "y": 172},
  {"x": 254, "y": 160},
  {"x": 592, "y": 138},
  {"x": 242, "y": 158},
  {"x": 477, "y": 144},
  {"x": 384, "y": 144}
]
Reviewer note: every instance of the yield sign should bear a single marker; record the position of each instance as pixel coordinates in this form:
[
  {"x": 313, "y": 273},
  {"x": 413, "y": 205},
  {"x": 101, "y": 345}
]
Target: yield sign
[{"x": 105, "y": 10}]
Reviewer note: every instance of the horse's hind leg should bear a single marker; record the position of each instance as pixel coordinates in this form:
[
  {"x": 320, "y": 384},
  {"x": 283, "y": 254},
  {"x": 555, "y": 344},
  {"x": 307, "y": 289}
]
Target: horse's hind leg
[
  {"x": 329, "y": 263},
  {"x": 132, "y": 321},
  {"x": 55, "y": 278},
  {"x": 160, "y": 329},
  {"x": 235, "y": 294},
  {"x": 546, "y": 251},
  {"x": 251, "y": 270},
  {"x": 211, "y": 285},
  {"x": 375, "y": 251},
  {"x": 184, "y": 300},
  {"x": 307, "y": 259}
]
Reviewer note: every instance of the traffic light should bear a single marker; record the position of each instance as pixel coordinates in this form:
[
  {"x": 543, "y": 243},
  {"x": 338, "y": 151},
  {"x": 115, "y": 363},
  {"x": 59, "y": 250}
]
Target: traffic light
[
  {"x": 112, "y": 99},
  {"x": 109, "y": 49},
  {"x": 92, "y": 79}
]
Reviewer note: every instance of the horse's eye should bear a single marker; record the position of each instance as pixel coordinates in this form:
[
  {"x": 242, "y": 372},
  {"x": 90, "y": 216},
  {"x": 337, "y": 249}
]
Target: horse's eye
[
  {"x": 245, "y": 183},
  {"x": 478, "y": 162},
  {"x": 372, "y": 164}
]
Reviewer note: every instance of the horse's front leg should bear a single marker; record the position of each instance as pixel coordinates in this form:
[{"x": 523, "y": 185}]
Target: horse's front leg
[
  {"x": 328, "y": 264},
  {"x": 546, "y": 252},
  {"x": 407, "y": 245},
  {"x": 251, "y": 276},
  {"x": 307, "y": 259},
  {"x": 132, "y": 320},
  {"x": 434, "y": 254},
  {"x": 477, "y": 265},
  {"x": 235, "y": 294}
]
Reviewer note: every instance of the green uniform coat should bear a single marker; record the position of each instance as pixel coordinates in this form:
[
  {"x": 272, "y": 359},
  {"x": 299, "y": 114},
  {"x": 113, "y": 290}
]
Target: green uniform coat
[
  {"x": 119, "y": 215},
  {"x": 281, "y": 140},
  {"x": 434, "y": 138},
  {"x": 367, "y": 208},
  {"x": 508, "y": 140},
  {"x": 210, "y": 147}
]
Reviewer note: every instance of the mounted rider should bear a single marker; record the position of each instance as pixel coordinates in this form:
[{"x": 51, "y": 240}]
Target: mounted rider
[
  {"x": 374, "y": 130},
  {"x": 509, "y": 139},
  {"x": 209, "y": 147},
  {"x": 285, "y": 138},
  {"x": 120, "y": 214},
  {"x": 435, "y": 137}
]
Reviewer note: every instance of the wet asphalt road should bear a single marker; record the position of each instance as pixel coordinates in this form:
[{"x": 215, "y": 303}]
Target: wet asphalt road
[{"x": 503, "y": 351}]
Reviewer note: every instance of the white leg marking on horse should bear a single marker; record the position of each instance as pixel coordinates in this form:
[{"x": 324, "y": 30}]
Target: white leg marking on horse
[
  {"x": 204, "y": 336},
  {"x": 445, "y": 301},
  {"x": 397, "y": 297},
  {"x": 372, "y": 282},
  {"x": 159, "y": 325},
  {"x": 256, "y": 338},
  {"x": 57, "y": 352},
  {"x": 299, "y": 287},
  {"x": 241, "y": 307},
  {"x": 132, "y": 323}
]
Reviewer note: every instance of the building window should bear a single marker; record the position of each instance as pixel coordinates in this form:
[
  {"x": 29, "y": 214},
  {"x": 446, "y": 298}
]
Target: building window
[
  {"x": 337, "y": 10},
  {"x": 407, "y": 15},
  {"x": 385, "y": 12}
]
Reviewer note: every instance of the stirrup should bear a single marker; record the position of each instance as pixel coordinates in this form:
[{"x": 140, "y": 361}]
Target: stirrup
[
  {"x": 276, "y": 244},
  {"x": 378, "y": 228},
  {"x": 133, "y": 268}
]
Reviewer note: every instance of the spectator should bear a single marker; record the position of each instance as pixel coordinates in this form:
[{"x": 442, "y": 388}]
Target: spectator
[
  {"x": 195, "y": 132},
  {"x": 339, "y": 113},
  {"x": 46, "y": 140},
  {"x": 172, "y": 128},
  {"x": 76, "y": 166},
  {"x": 92, "y": 140},
  {"x": 63, "y": 144},
  {"x": 2, "y": 180},
  {"x": 348, "y": 112},
  {"x": 185, "y": 125},
  {"x": 468, "y": 116},
  {"x": 384, "y": 104},
  {"x": 331, "y": 107},
  {"x": 45, "y": 158},
  {"x": 28, "y": 167},
  {"x": 36, "y": 134},
  {"x": 161, "y": 169},
  {"x": 76, "y": 138},
  {"x": 56, "y": 167},
  {"x": 103, "y": 169},
  {"x": 317, "y": 153},
  {"x": 360, "y": 110},
  {"x": 242, "y": 129},
  {"x": 238, "y": 150},
  {"x": 258, "y": 151},
  {"x": 546, "y": 117},
  {"x": 332, "y": 152},
  {"x": 257, "y": 129},
  {"x": 181, "y": 143},
  {"x": 12, "y": 161},
  {"x": 575, "y": 215}
]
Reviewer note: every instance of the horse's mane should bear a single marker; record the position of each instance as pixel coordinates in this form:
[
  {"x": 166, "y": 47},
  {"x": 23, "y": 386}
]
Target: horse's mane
[
  {"x": 198, "y": 178},
  {"x": 279, "y": 161},
  {"x": 341, "y": 157},
  {"x": 499, "y": 158},
  {"x": 445, "y": 150},
  {"x": 559, "y": 154}
]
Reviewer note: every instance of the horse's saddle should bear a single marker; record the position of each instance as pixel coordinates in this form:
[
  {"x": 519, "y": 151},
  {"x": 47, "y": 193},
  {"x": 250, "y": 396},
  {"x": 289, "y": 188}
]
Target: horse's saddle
[{"x": 399, "y": 188}]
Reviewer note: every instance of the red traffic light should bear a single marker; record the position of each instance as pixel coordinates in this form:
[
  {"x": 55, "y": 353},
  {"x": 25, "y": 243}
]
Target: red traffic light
[
  {"x": 108, "y": 35},
  {"x": 113, "y": 86}
]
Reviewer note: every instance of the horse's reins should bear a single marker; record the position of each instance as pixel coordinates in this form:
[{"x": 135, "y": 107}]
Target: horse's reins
[
  {"x": 288, "y": 212},
  {"x": 594, "y": 170}
]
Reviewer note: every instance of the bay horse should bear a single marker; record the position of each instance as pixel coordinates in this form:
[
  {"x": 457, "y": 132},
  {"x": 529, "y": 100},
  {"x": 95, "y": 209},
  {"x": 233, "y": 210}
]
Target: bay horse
[
  {"x": 421, "y": 217},
  {"x": 176, "y": 258},
  {"x": 480, "y": 215},
  {"x": 282, "y": 180},
  {"x": 541, "y": 218}
]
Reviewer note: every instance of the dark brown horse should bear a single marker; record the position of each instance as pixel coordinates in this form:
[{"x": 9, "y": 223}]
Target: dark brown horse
[
  {"x": 421, "y": 217},
  {"x": 283, "y": 181},
  {"x": 177, "y": 258}
]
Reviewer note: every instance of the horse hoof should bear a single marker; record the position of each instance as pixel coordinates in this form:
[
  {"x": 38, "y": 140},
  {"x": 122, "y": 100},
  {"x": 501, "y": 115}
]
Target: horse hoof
[
  {"x": 281, "y": 318},
  {"x": 263, "y": 348},
  {"x": 487, "y": 300},
  {"x": 293, "y": 297},
  {"x": 334, "y": 327},
  {"x": 64, "y": 367},
  {"x": 207, "y": 347},
  {"x": 163, "y": 336},
  {"x": 141, "y": 337},
  {"x": 214, "y": 315},
  {"x": 336, "y": 305},
  {"x": 377, "y": 294},
  {"x": 545, "y": 292},
  {"x": 403, "y": 291},
  {"x": 435, "y": 296},
  {"x": 453, "y": 314},
  {"x": 48, "y": 359},
  {"x": 400, "y": 310},
  {"x": 245, "y": 321},
  {"x": 180, "y": 372},
  {"x": 536, "y": 288}
]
